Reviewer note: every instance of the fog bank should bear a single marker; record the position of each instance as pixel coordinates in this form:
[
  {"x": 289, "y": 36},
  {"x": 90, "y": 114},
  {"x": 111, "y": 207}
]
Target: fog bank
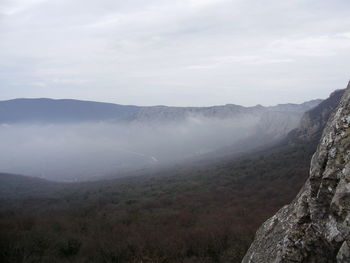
[{"x": 80, "y": 151}]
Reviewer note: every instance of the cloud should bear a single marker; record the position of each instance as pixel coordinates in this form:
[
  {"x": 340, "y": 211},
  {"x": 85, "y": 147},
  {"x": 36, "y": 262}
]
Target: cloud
[
  {"x": 319, "y": 46},
  {"x": 122, "y": 51},
  {"x": 196, "y": 3},
  {"x": 252, "y": 60},
  {"x": 15, "y": 7}
]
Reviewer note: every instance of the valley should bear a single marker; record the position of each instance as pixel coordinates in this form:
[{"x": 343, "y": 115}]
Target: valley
[
  {"x": 68, "y": 140},
  {"x": 200, "y": 211}
]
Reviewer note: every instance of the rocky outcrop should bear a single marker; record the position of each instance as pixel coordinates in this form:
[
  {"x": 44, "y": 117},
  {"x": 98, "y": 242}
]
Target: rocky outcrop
[
  {"x": 313, "y": 121},
  {"x": 315, "y": 227}
]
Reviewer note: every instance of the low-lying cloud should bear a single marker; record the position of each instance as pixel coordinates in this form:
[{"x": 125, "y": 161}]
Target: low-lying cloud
[{"x": 84, "y": 150}]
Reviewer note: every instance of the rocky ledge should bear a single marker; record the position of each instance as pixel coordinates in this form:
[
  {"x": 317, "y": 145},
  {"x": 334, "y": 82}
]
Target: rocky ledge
[{"x": 315, "y": 227}]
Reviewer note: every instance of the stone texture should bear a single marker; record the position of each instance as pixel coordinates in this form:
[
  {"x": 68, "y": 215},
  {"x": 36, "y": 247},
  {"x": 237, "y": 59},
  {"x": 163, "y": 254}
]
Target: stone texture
[
  {"x": 343, "y": 255},
  {"x": 315, "y": 227}
]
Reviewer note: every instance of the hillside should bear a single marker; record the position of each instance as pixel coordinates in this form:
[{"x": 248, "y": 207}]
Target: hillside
[
  {"x": 207, "y": 212},
  {"x": 13, "y": 185},
  {"x": 314, "y": 120},
  {"x": 197, "y": 215}
]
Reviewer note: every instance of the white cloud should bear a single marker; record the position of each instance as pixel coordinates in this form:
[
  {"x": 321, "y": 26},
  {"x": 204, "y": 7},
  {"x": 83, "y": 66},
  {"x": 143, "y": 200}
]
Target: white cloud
[
  {"x": 198, "y": 3},
  {"x": 316, "y": 46},
  {"x": 121, "y": 51},
  {"x": 15, "y": 7}
]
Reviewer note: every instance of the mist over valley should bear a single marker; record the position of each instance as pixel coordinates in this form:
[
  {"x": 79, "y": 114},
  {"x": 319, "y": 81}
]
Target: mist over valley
[
  {"x": 68, "y": 140},
  {"x": 187, "y": 131}
]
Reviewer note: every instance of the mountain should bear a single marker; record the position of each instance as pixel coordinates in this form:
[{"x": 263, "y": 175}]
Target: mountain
[
  {"x": 52, "y": 111},
  {"x": 313, "y": 121},
  {"x": 70, "y": 140},
  {"x": 164, "y": 113},
  {"x": 207, "y": 211},
  {"x": 66, "y": 110},
  {"x": 292, "y": 107},
  {"x": 315, "y": 226},
  {"x": 13, "y": 185}
]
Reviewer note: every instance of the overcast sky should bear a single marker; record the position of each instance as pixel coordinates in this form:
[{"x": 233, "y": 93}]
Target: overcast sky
[{"x": 174, "y": 52}]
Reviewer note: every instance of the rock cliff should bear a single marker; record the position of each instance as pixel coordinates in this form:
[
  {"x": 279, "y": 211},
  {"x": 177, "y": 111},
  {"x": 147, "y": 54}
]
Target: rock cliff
[
  {"x": 314, "y": 121},
  {"x": 315, "y": 227}
]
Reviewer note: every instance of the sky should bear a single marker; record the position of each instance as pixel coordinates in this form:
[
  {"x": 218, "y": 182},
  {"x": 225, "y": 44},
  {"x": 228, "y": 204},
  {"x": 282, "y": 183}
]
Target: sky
[{"x": 174, "y": 52}]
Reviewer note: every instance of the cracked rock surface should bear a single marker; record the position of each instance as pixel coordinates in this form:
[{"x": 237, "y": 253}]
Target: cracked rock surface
[{"x": 315, "y": 227}]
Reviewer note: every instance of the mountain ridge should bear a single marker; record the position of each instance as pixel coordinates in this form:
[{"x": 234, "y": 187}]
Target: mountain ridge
[{"x": 50, "y": 110}]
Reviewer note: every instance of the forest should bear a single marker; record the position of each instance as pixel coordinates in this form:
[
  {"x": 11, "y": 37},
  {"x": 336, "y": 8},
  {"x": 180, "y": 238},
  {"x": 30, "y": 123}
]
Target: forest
[{"x": 198, "y": 213}]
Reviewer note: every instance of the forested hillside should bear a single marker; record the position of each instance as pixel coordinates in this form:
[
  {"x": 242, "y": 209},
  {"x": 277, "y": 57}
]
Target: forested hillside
[
  {"x": 199, "y": 213},
  {"x": 208, "y": 215}
]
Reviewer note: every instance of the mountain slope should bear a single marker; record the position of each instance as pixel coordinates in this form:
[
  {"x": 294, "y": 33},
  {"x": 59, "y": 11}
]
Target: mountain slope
[
  {"x": 314, "y": 120},
  {"x": 315, "y": 226},
  {"x": 13, "y": 185},
  {"x": 51, "y": 111},
  {"x": 207, "y": 212}
]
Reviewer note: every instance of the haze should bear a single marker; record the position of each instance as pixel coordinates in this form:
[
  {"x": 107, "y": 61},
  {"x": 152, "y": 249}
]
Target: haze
[{"x": 76, "y": 151}]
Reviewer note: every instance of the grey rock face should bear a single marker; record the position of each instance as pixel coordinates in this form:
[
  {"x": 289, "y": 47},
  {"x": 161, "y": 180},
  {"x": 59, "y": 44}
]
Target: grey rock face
[
  {"x": 315, "y": 227},
  {"x": 343, "y": 255},
  {"x": 313, "y": 121}
]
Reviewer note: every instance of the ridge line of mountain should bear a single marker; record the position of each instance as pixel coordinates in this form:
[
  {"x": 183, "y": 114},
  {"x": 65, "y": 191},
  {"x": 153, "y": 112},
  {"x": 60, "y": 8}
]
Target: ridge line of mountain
[
  {"x": 160, "y": 106},
  {"x": 51, "y": 110}
]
